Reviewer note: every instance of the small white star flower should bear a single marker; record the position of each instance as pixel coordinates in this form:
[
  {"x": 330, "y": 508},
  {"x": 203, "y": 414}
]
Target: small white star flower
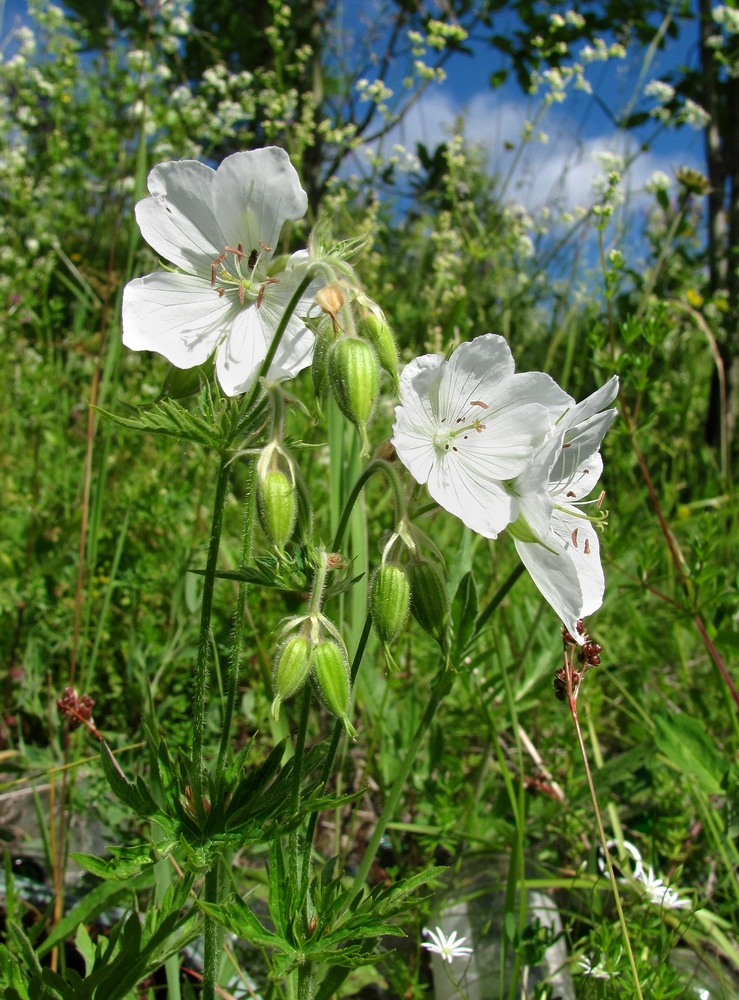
[
  {"x": 660, "y": 894},
  {"x": 220, "y": 229},
  {"x": 597, "y": 971},
  {"x": 448, "y": 947},
  {"x": 466, "y": 426},
  {"x": 556, "y": 540},
  {"x": 629, "y": 848}
]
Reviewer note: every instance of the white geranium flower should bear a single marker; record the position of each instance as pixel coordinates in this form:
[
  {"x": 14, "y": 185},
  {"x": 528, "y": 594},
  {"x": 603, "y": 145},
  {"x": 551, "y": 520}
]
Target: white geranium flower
[
  {"x": 220, "y": 229},
  {"x": 467, "y": 425},
  {"x": 660, "y": 894},
  {"x": 556, "y": 540},
  {"x": 448, "y": 947}
]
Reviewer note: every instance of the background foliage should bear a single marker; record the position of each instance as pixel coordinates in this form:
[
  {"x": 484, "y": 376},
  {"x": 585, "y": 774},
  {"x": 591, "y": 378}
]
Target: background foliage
[{"x": 101, "y": 528}]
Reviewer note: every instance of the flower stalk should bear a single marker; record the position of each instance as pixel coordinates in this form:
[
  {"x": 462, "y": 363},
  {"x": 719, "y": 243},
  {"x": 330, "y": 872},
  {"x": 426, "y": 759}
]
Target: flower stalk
[{"x": 200, "y": 698}]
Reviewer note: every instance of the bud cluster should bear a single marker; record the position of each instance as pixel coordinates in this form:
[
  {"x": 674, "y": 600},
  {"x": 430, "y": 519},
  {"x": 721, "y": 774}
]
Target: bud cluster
[
  {"x": 418, "y": 588},
  {"x": 309, "y": 654}
]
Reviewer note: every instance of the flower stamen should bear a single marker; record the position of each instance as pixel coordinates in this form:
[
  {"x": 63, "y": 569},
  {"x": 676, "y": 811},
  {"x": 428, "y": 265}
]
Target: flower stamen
[{"x": 269, "y": 281}]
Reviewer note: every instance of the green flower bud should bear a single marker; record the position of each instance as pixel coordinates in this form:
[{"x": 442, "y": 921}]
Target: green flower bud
[
  {"x": 390, "y": 595},
  {"x": 277, "y": 505},
  {"x": 355, "y": 381},
  {"x": 379, "y": 334},
  {"x": 319, "y": 366},
  {"x": 304, "y": 518},
  {"x": 292, "y": 667},
  {"x": 331, "y": 673},
  {"x": 429, "y": 599}
]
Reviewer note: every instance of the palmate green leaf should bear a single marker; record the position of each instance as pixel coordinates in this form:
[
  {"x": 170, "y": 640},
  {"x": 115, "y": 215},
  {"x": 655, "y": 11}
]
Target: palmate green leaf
[
  {"x": 325, "y": 949},
  {"x": 84, "y": 945},
  {"x": 127, "y": 862},
  {"x": 237, "y": 916},
  {"x": 171, "y": 419},
  {"x": 133, "y": 951},
  {"x": 255, "y": 782},
  {"x": 392, "y": 898}
]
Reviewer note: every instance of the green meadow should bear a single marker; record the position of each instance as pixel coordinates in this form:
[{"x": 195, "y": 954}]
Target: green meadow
[{"x": 280, "y": 719}]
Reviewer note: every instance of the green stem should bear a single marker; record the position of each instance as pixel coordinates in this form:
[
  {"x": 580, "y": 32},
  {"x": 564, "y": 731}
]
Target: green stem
[
  {"x": 331, "y": 756},
  {"x": 279, "y": 334},
  {"x": 211, "y": 935},
  {"x": 487, "y": 611},
  {"x": 234, "y": 665},
  {"x": 297, "y": 777},
  {"x": 305, "y": 981},
  {"x": 441, "y": 687},
  {"x": 200, "y": 699},
  {"x": 377, "y": 465},
  {"x": 571, "y": 697}
]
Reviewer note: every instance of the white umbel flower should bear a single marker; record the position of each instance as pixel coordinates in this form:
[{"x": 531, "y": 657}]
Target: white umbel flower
[
  {"x": 466, "y": 426},
  {"x": 448, "y": 948},
  {"x": 220, "y": 229}
]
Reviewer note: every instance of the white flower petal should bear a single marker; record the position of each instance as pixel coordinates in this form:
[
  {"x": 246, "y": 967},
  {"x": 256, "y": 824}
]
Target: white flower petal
[
  {"x": 580, "y": 483},
  {"x": 462, "y": 487},
  {"x": 240, "y": 356},
  {"x": 178, "y": 221},
  {"x": 255, "y": 194},
  {"x": 581, "y": 545},
  {"x": 595, "y": 402},
  {"x": 176, "y": 315},
  {"x": 473, "y": 371},
  {"x": 556, "y": 577}
]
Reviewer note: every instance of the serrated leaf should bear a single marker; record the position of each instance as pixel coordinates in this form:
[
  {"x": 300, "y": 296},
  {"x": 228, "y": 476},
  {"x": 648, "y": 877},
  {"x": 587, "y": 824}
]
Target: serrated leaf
[
  {"x": 24, "y": 947},
  {"x": 55, "y": 987},
  {"x": 120, "y": 785},
  {"x": 399, "y": 893},
  {"x": 126, "y": 862},
  {"x": 170, "y": 419},
  {"x": 238, "y": 917}
]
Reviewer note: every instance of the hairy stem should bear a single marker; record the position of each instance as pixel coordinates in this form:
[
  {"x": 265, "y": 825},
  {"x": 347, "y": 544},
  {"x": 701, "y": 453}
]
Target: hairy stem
[{"x": 200, "y": 697}]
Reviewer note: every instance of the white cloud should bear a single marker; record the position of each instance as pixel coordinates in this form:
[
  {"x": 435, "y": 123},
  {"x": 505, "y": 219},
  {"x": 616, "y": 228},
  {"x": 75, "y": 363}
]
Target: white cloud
[{"x": 558, "y": 174}]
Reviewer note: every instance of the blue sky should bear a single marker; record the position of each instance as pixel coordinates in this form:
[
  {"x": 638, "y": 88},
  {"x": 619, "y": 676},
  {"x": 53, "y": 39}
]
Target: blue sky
[
  {"x": 563, "y": 169},
  {"x": 579, "y": 129}
]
